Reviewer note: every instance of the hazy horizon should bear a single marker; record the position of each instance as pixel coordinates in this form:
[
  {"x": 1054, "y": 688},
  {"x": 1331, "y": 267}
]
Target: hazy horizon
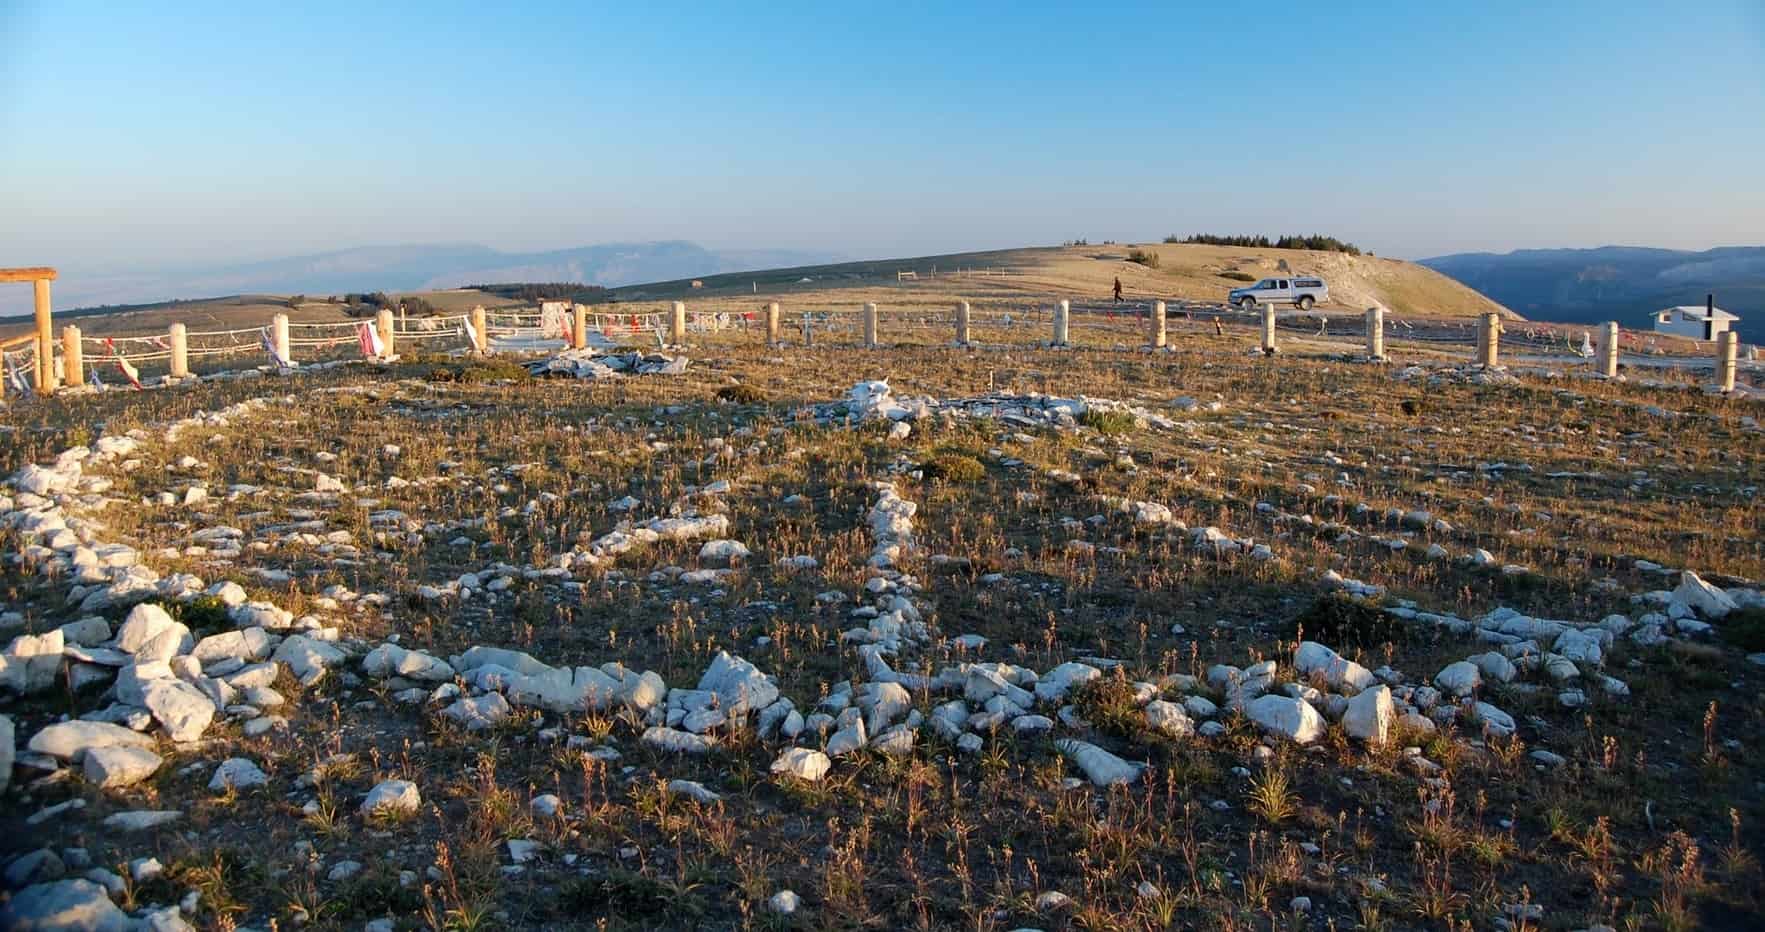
[{"x": 134, "y": 139}]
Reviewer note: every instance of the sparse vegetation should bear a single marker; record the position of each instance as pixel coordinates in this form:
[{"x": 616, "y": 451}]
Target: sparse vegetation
[{"x": 1024, "y": 535}]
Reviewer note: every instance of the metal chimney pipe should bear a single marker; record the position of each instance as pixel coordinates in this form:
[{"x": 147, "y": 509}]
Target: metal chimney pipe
[{"x": 1710, "y": 304}]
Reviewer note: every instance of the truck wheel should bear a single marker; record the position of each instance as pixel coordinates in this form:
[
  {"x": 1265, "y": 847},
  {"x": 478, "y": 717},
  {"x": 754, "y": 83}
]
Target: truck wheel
[
  {"x": 1305, "y": 302},
  {"x": 1247, "y": 303}
]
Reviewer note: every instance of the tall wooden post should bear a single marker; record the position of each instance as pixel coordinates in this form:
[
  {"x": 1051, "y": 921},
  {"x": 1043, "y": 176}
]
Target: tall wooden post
[
  {"x": 677, "y": 326},
  {"x": 579, "y": 326},
  {"x": 45, "y": 339},
  {"x": 870, "y": 326},
  {"x": 180, "y": 351},
  {"x": 1062, "y": 322},
  {"x": 1489, "y": 341},
  {"x": 1268, "y": 328},
  {"x": 279, "y": 335},
  {"x": 73, "y": 357},
  {"x": 481, "y": 344},
  {"x": 772, "y": 324},
  {"x": 1727, "y": 349},
  {"x": 383, "y": 324},
  {"x": 1155, "y": 325},
  {"x": 1375, "y": 333},
  {"x": 1607, "y": 353},
  {"x": 962, "y": 316}
]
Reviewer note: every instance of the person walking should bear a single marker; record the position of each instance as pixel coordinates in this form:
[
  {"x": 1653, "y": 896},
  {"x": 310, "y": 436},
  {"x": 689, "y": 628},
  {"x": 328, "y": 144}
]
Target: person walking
[{"x": 1118, "y": 289}]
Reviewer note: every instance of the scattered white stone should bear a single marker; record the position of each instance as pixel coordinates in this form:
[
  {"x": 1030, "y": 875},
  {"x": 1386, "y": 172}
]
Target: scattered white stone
[{"x": 392, "y": 797}]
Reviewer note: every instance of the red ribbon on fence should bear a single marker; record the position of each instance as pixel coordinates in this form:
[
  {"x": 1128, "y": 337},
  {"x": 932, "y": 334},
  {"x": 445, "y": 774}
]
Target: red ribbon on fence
[{"x": 129, "y": 372}]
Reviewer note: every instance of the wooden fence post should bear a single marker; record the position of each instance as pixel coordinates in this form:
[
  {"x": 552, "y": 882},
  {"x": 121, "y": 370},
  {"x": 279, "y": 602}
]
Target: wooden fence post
[
  {"x": 383, "y": 324},
  {"x": 677, "y": 326},
  {"x": 1376, "y": 333},
  {"x": 481, "y": 344},
  {"x": 1062, "y": 322},
  {"x": 73, "y": 357},
  {"x": 870, "y": 326},
  {"x": 1608, "y": 349},
  {"x": 45, "y": 338},
  {"x": 1156, "y": 324},
  {"x": 772, "y": 324},
  {"x": 180, "y": 351},
  {"x": 1268, "y": 328},
  {"x": 579, "y": 326},
  {"x": 1727, "y": 349},
  {"x": 962, "y": 314},
  {"x": 279, "y": 335}
]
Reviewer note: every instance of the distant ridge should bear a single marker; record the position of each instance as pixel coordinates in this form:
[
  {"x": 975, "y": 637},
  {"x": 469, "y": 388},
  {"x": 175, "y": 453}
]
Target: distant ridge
[
  {"x": 421, "y": 267},
  {"x": 1622, "y": 283}
]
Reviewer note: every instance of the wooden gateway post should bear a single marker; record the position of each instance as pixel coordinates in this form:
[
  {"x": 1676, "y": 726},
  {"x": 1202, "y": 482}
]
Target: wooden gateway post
[
  {"x": 772, "y": 324},
  {"x": 1062, "y": 323},
  {"x": 870, "y": 326},
  {"x": 1157, "y": 335},
  {"x": 39, "y": 277},
  {"x": 962, "y": 314}
]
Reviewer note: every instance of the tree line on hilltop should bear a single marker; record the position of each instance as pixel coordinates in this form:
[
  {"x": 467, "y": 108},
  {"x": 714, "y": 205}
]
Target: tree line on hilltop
[{"x": 1314, "y": 241}]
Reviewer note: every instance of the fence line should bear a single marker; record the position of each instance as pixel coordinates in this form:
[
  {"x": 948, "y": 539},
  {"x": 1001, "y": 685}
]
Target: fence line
[{"x": 545, "y": 331}]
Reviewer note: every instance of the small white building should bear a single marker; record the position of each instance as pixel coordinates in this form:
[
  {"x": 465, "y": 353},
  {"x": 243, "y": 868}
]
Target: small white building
[{"x": 1694, "y": 322}]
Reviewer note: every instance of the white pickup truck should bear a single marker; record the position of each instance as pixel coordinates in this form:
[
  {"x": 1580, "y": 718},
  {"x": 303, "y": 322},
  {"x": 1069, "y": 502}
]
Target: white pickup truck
[{"x": 1300, "y": 291}]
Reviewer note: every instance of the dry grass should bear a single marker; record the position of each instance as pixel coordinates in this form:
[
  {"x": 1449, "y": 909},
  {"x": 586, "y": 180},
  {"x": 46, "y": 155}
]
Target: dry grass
[{"x": 1650, "y": 822}]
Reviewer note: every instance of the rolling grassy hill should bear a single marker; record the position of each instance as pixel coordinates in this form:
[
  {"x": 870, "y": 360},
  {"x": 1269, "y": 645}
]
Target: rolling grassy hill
[{"x": 999, "y": 278}]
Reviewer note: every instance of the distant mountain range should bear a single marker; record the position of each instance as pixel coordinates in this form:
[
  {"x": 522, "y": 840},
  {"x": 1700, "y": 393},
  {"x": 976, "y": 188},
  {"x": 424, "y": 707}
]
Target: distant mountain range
[
  {"x": 425, "y": 267},
  {"x": 1621, "y": 283}
]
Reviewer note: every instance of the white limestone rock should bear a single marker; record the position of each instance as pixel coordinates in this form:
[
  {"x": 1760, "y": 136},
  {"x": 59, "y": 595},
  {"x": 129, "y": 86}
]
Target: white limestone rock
[
  {"x": 1314, "y": 659},
  {"x": 307, "y": 658},
  {"x": 392, "y": 797},
  {"x": 180, "y": 708},
  {"x": 1369, "y": 715},
  {"x": 29, "y": 663},
  {"x": 739, "y": 685},
  {"x": 1100, "y": 766},
  {"x": 237, "y": 773},
  {"x": 1708, "y": 600},
  {"x": 480, "y": 712},
  {"x": 1168, "y": 718},
  {"x": 1288, "y": 717},
  {"x": 64, "y": 905},
  {"x": 117, "y": 766},
  {"x": 677, "y": 742},
  {"x": 1459, "y": 679},
  {"x": 802, "y": 763},
  {"x": 69, "y": 741}
]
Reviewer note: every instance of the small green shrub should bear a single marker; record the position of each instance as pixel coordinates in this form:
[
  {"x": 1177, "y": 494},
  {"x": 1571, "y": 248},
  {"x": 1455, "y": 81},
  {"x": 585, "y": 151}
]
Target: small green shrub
[
  {"x": 469, "y": 369},
  {"x": 1108, "y": 422},
  {"x": 207, "y": 613},
  {"x": 741, "y": 395},
  {"x": 955, "y": 467},
  {"x": 1745, "y": 629},
  {"x": 1144, "y": 257},
  {"x": 1108, "y": 704},
  {"x": 1340, "y": 620}
]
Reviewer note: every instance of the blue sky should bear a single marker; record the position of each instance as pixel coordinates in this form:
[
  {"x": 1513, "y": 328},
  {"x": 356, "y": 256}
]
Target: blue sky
[{"x": 135, "y": 134}]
